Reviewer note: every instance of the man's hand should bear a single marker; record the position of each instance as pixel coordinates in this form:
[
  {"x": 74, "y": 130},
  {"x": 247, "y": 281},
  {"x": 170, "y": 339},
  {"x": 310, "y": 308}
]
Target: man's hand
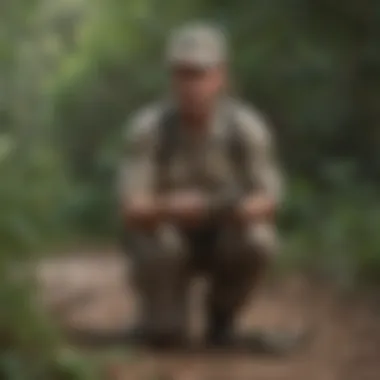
[
  {"x": 142, "y": 211},
  {"x": 255, "y": 208},
  {"x": 188, "y": 207}
]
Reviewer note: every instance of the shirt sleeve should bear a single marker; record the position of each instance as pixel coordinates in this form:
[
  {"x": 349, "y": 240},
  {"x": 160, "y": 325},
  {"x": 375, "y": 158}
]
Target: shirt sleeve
[
  {"x": 137, "y": 169},
  {"x": 263, "y": 168}
]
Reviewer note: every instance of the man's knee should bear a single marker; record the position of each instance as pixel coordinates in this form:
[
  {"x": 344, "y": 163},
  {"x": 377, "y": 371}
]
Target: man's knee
[
  {"x": 171, "y": 241},
  {"x": 246, "y": 245},
  {"x": 261, "y": 240},
  {"x": 156, "y": 257},
  {"x": 164, "y": 243}
]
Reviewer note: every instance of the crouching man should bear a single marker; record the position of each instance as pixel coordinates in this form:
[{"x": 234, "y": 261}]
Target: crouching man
[{"x": 199, "y": 190}]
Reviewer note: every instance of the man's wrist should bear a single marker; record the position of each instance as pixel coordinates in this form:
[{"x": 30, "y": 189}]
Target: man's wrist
[{"x": 259, "y": 207}]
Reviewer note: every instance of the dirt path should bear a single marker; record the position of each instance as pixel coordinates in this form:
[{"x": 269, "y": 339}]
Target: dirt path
[{"x": 346, "y": 345}]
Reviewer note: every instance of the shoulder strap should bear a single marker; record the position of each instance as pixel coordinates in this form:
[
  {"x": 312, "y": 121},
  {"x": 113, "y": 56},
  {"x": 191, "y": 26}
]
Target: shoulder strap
[
  {"x": 238, "y": 150},
  {"x": 166, "y": 135},
  {"x": 236, "y": 146}
]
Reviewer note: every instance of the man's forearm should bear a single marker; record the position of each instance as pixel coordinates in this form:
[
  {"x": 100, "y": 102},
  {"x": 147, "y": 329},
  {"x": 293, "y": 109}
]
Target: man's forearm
[{"x": 186, "y": 208}]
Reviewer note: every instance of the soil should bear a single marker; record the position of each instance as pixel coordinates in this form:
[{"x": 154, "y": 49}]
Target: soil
[{"x": 92, "y": 291}]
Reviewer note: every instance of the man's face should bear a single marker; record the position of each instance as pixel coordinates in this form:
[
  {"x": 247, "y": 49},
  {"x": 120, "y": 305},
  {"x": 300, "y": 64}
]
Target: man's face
[{"x": 197, "y": 87}]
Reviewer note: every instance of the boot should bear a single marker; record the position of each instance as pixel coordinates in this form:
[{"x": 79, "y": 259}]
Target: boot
[
  {"x": 220, "y": 328},
  {"x": 220, "y": 334}
]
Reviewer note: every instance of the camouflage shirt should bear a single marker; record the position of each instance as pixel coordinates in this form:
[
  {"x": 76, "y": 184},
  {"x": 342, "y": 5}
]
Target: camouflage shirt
[{"x": 199, "y": 161}]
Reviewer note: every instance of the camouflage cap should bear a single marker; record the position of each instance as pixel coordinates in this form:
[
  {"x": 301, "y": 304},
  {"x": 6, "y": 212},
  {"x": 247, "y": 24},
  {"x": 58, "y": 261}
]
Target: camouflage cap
[{"x": 197, "y": 44}]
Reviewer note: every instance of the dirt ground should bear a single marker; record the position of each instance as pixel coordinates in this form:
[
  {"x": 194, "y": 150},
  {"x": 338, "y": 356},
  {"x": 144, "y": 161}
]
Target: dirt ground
[{"x": 90, "y": 291}]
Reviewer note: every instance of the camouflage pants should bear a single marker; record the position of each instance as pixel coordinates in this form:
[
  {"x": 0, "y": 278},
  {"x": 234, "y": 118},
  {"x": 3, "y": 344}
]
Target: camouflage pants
[{"x": 164, "y": 262}]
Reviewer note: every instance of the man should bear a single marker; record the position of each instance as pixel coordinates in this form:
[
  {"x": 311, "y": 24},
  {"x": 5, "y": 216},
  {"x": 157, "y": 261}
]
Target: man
[{"x": 199, "y": 190}]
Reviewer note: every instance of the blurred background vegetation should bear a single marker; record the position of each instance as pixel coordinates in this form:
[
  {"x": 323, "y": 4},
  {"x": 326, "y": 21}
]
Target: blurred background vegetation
[{"x": 71, "y": 71}]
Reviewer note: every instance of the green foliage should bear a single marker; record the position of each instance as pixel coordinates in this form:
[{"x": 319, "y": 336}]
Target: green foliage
[
  {"x": 34, "y": 191},
  {"x": 71, "y": 71}
]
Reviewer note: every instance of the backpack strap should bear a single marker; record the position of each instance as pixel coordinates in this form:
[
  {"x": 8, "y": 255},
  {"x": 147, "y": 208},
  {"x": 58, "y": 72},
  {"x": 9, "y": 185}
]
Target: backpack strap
[
  {"x": 238, "y": 150},
  {"x": 167, "y": 136},
  {"x": 236, "y": 147},
  {"x": 166, "y": 145}
]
